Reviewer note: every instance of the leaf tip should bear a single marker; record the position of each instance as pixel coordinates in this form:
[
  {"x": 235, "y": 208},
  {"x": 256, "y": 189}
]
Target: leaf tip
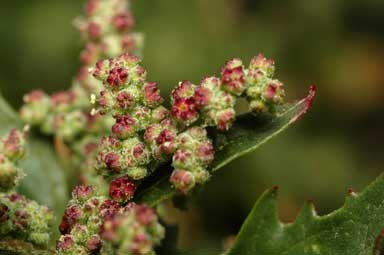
[{"x": 306, "y": 103}]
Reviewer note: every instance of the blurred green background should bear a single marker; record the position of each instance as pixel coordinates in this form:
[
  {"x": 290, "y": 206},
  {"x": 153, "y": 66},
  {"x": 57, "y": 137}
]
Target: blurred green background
[{"x": 336, "y": 44}]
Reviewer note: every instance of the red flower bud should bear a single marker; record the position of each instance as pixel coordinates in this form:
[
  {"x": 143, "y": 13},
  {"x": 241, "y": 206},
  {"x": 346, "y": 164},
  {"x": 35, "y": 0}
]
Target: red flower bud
[
  {"x": 82, "y": 192},
  {"x": 151, "y": 94},
  {"x": 123, "y": 22},
  {"x": 145, "y": 215},
  {"x": 185, "y": 89},
  {"x": 117, "y": 76},
  {"x": 184, "y": 110},
  {"x": 94, "y": 244},
  {"x": 124, "y": 127},
  {"x": 112, "y": 161},
  {"x": 232, "y": 77},
  {"x": 65, "y": 243},
  {"x": 225, "y": 119},
  {"x": 125, "y": 99},
  {"x": 183, "y": 181},
  {"x": 122, "y": 189},
  {"x": 94, "y": 30}
]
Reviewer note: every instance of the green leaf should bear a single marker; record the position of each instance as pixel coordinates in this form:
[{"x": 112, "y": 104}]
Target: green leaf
[
  {"x": 45, "y": 181},
  {"x": 247, "y": 134},
  {"x": 350, "y": 230},
  {"x": 18, "y": 247}
]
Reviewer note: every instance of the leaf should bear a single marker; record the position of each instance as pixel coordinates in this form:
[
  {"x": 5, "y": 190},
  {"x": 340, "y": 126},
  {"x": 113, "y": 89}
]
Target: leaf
[
  {"x": 350, "y": 230},
  {"x": 247, "y": 134},
  {"x": 20, "y": 247},
  {"x": 45, "y": 181}
]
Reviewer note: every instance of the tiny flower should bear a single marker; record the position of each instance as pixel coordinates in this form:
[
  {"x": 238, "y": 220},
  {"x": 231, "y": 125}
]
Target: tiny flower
[
  {"x": 232, "y": 76},
  {"x": 124, "y": 127},
  {"x": 274, "y": 92},
  {"x": 117, "y": 76},
  {"x": 82, "y": 192},
  {"x": 91, "y": 7},
  {"x": 183, "y": 181},
  {"x": 128, "y": 43},
  {"x": 225, "y": 118},
  {"x": 166, "y": 141},
  {"x": 202, "y": 96},
  {"x": 151, "y": 94},
  {"x": 123, "y": 22},
  {"x": 94, "y": 30},
  {"x": 65, "y": 243},
  {"x": 112, "y": 161},
  {"x": 145, "y": 215},
  {"x": 105, "y": 99},
  {"x": 125, "y": 99},
  {"x": 14, "y": 145},
  {"x": 122, "y": 189},
  {"x": 185, "y": 89},
  {"x": 183, "y": 159},
  {"x": 160, "y": 113},
  {"x": 205, "y": 153},
  {"x": 184, "y": 110},
  {"x": 263, "y": 64},
  {"x": 94, "y": 244}
]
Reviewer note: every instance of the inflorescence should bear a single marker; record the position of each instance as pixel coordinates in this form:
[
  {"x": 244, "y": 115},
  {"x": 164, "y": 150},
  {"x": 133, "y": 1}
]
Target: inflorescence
[
  {"x": 129, "y": 131},
  {"x": 20, "y": 218},
  {"x": 145, "y": 131}
]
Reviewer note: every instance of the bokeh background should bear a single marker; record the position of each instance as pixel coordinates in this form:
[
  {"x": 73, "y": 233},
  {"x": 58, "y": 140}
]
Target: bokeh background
[{"x": 336, "y": 44}]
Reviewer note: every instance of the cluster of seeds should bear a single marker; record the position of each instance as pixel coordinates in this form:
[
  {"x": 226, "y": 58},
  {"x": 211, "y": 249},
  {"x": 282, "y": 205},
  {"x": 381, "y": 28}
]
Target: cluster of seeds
[
  {"x": 93, "y": 224},
  {"x": 145, "y": 131},
  {"x": 19, "y": 217}
]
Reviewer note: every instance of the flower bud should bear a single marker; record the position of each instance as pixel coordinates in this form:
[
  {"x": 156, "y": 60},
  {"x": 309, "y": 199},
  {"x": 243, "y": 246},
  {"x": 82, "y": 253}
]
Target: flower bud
[
  {"x": 65, "y": 243},
  {"x": 184, "y": 110},
  {"x": 123, "y": 22},
  {"x": 183, "y": 180},
  {"x": 13, "y": 145},
  {"x": 232, "y": 77},
  {"x": 122, "y": 189},
  {"x": 259, "y": 62},
  {"x": 82, "y": 193},
  {"x": 124, "y": 127},
  {"x": 151, "y": 94},
  {"x": 36, "y": 107}
]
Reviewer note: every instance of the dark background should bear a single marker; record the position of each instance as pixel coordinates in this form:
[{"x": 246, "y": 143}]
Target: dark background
[{"x": 336, "y": 44}]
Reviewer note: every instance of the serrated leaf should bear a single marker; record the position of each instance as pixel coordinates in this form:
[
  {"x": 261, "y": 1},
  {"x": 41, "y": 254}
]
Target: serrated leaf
[
  {"x": 350, "y": 230},
  {"x": 45, "y": 181},
  {"x": 247, "y": 134}
]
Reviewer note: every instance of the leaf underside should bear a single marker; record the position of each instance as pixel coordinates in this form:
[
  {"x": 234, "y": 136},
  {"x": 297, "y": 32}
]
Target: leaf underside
[
  {"x": 350, "y": 230},
  {"x": 247, "y": 134}
]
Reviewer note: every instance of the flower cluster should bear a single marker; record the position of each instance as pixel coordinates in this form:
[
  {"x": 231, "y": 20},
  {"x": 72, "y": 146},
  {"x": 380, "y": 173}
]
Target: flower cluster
[
  {"x": 24, "y": 219},
  {"x": 179, "y": 133},
  {"x": 12, "y": 149},
  {"x": 263, "y": 92},
  {"x": 107, "y": 28},
  {"x": 134, "y": 230},
  {"x": 81, "y": 222},
  {"x": 19, "y": 217},
  {"x": 135, "y": 105},
  {"x": 93, "y": 224},
  {"x": 193, "y": 155}
]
